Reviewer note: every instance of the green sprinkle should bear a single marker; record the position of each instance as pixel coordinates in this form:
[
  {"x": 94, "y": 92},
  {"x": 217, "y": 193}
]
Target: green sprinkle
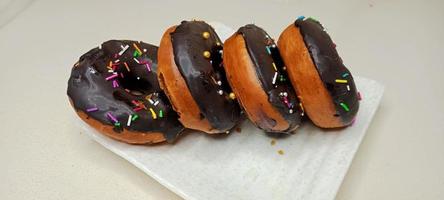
[
  {"x": 344, "y": 106},
  {"x": 117, "y": 124},
  {"x": 312, "y": 18},
  {"x": 160, "y": 113},
  {"x": 134, "y": 117},
  {"x": 282, "y": 78},
  {"x": 136, "y": 53},
  {"x": 345, "y": 75}
]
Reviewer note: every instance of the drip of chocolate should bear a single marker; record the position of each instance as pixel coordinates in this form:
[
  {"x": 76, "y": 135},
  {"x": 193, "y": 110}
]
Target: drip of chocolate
[
  {"x": 198, "y": 55},
  {"x": 336, "y": 77},
  {"x": 117, "y": 85},
  {"x": 271, "y": 72}
]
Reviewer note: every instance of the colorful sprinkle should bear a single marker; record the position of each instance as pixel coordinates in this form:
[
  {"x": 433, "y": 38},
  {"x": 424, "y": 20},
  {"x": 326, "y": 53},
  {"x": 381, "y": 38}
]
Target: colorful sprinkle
[
  {"x": 348, "y": 87},
  {"x": 111, "y": 77},
  {"x": 220, "y": 92},
  {"x": 160, "y": 113},
  {"x": 150, "y": 100},
  {"x": 136, "y": 54},
  {"x": 117, "y": 124},
  {"x": 137, "y": 109},
  {"x": 92, "y": 109},
  {"x": 155, "y": 103},
  {"x": 134, "y": 117},
  {"x": 123, "y": 50},
  {"x": 128, "y": 123},
  {"x": 300, "y": 18},
  {"x": 148, "y": 67},
  {"x": 344, "y": 106},
  {"x": 137, "y": 61},
  {"x": 127, "y": 67},
  {"x": 274, "y": 66},
  {"x": 268, "y": 49},
  {"x": 341, "y": 81},
  {"x": 110, "y": 116},
  {"x": 153, "y": 113},
  {"x": 345, "y": 75},
  {"x": 137, "y": 48},
  {"x": 274, "y": 78},
  {"x": 115, "y": 84}
]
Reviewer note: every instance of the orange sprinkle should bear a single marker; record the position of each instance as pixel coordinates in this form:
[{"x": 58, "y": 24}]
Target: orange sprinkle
[
  {"x": 137, "y": 48},
  {"x": 126, "y": 66}
]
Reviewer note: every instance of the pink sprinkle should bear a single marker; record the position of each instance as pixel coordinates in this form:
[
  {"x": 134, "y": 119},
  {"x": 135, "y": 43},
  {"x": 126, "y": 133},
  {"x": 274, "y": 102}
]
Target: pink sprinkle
[
  {"x": 121, "y": 75},
  {"x": 286, "y": 101},
  {"x": 148, "y": 67},
  {"x": 111, "y": 77},
  {"x": 115, "y": 84},
  {"x": 116, "y": 55},
  {"x": 92, "y": 109},
  {"x": 110, "y": 116},
  {"x": 359, "y": 96},
  {"x": 137, "y": 109}
]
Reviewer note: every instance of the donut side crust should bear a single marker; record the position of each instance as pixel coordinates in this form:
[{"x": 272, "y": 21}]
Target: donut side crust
[
  {"x": 175, "y": 88},
  {"x": 129, "y": 137},
  {"x": 315, "y": 98},
  {"x": 243, "y": 79}
]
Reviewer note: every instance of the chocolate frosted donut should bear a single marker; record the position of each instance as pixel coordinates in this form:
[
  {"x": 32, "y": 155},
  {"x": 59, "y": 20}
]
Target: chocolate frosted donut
[
  {"x": 259, "y": 79},
  {"x": 191, "y": 74},
  {"x": 325, "y": 85},
  {"x": 114, "y": 88}
]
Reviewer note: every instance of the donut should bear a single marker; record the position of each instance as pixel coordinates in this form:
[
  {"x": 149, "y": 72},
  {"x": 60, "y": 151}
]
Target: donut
[
  {"x": 258, "y": 77},
  {"x": 325, "y": 86},
  {"x": 114, "y": 88},
  {"x": 192, "y": 76}
]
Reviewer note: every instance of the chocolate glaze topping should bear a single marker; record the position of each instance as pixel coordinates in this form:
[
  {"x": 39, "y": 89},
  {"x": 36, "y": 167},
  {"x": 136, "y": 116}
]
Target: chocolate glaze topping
[
  {"x": 198, "y": 55},
  {"x": 336, "y": 77},
  {"x": 131, "y": 89},
  {"x": 271, "y": 72}
]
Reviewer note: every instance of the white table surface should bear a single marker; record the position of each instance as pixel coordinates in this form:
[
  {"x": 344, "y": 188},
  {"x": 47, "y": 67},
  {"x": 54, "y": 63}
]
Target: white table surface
[{"x": 44, "y": 155}]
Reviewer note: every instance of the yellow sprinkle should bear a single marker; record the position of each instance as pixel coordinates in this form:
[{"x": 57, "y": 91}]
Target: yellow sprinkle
[
  {"x": 206, "y": 54},
  {"x": 218, "y": 44},
  {"x": 137, "y": 48},
  {"x": 153, "y": 113},
  {"x": 341, "y": 81},
  {"x": 232, "y": 96},
  {"x": 274, "y": 66},
  {"x": 302, "y": 107},
  {"x": 206, "y": 35}
]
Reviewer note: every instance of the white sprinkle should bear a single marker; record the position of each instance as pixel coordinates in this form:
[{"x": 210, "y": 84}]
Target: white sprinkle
[
  {"x": 100, "y": 46},
  {"x": 110, "y": 71},
  {"x": 290, "y": 111},
  {"x": 284, "y": 68},
  {"x": 114, "y": 72},
  {"x": 273, "y": 46},
  {"x": 144, "y": 50},
  {"x": 137, "y": 61},
  {"x": 219, "y": 82},
  {"x": 116, "y": 61},
  {"x": 221, "y": 51},
  {"x": 129, "y": 121},
  {"x": 285, "y": 94},
  {"x": 348, "y": 87},
  {"x": 155, "y": 103},
  {"x": 220, "y": 92},
  {"x": 151, "y": 101},
  {"x": 227, "y": 132},
  {"x": 138, "y": 78},
  {"x": 274, "y": 77},
  {"x": 123, "y": 49}
]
